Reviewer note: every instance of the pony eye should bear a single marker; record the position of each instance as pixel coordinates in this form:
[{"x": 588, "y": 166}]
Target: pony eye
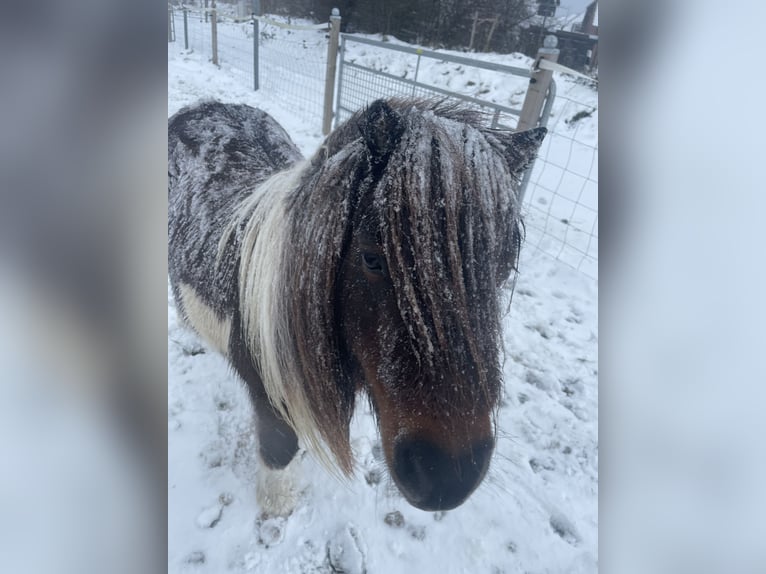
[{"x": 373, "y": 263}]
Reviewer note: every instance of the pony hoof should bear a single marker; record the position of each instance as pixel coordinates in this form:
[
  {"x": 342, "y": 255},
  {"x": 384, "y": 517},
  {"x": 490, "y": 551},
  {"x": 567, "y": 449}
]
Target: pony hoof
[
  {"x": 270, "y": 531},
  {"x": 276, "y": 490}
]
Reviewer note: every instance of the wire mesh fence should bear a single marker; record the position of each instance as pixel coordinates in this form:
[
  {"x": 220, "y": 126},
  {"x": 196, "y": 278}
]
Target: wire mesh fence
[
  {"x": 561, "y": 197},
  {"x": 293, "y": 64},
  {"x": 291, "y": 60},
  {"x": 561, "y": 201},
  {"x": 235, "y": 48},
  {"x": 196, "y": 29}
]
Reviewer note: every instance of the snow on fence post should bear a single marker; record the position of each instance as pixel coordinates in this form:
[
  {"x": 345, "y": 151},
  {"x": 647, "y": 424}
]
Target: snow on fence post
[
  {"x": 538, "y": 90},
  {"x": 256, "y": 34},
  {"x": 171, "y": 25},
  {"x": 332, "y": 62},
  {"x": 256, "y": 71},
  {"x": 186, "y": 27},
  {"x": 214, "y": 32},
  {"x": 538, "y": 86}
]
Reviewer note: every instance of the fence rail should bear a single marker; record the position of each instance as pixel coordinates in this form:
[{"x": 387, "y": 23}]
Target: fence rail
[
  {"x": 560, "y": 192},
  {"x": 362, "y": 80}
]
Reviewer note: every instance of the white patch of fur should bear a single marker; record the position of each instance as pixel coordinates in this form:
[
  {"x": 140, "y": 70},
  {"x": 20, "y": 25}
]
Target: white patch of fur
[
  {"x": 203, "y": 319},
  {"x": 277, "y": 491},
  {"x": 262, "y": 304}
]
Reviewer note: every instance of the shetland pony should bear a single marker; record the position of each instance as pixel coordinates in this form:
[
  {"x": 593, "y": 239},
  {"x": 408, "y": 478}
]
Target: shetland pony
[{"x": 375, "y": 267}]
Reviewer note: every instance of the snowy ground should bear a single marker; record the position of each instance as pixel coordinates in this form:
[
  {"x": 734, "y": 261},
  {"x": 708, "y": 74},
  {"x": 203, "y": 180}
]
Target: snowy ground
[{"x": 536, "y": 512}]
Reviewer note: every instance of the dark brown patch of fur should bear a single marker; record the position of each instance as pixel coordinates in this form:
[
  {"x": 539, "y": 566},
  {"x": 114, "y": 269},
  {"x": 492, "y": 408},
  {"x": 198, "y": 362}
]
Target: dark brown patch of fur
[{"x": 455, "y": 241}]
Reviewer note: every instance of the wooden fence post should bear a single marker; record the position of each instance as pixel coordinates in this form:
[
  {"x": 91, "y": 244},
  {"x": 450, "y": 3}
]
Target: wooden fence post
[
  {"x": 538, "y": 86},
  {"x": 332, "y": 63}
]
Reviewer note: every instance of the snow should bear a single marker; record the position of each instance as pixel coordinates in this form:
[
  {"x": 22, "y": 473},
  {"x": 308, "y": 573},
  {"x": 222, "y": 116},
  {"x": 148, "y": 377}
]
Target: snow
[{"x": 537, "y": 511}]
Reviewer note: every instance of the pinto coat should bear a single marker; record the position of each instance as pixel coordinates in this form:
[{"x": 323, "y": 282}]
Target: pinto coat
[{"x": 377, "y": 266}]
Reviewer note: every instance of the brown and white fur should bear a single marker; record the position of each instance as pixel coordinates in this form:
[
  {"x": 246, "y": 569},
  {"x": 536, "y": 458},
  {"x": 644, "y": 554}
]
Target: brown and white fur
[{"x": 375, "y": 267}]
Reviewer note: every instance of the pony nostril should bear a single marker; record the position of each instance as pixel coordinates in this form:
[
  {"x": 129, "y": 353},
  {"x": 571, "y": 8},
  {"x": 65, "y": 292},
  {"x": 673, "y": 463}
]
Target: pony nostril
[{"x": 432, "y": 479}]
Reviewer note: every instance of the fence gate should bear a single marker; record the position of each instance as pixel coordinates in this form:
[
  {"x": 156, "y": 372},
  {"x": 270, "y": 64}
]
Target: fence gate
[
  {"x": 561, "y": 213},
  {"x": 363, "y": 77}
]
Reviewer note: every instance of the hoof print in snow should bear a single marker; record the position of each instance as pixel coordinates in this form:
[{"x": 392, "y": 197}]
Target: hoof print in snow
[
  {"x": 226, "y": 498},
  {"x": 209, "y": 517},
  {"x": 537, "y": 464},
  {"x": 270, "y": 531},
  {"x": 196, "y": 557},
  {"x": 192, "y": 351},
  {"x": 571, "y": 386},
  {"x": 543, "y": 381},
  {"x": 543, "y": 330},
  {"x": 377, "y": 451},
  {"x": 511, "y": 547},
  {"x": 212, "y": 457},
  {"x": 439, "y": 515},
  {"x": 345, "y": 554},
  {"x": 373, "y": 477},
  {"x": 394, "y": 519},
  {"x": 417, "y": 532},
  {"x": 565, "y": 529}
]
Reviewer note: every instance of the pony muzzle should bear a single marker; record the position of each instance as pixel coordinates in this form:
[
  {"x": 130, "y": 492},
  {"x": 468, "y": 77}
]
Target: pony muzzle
[{"x": 432, "y": 478}]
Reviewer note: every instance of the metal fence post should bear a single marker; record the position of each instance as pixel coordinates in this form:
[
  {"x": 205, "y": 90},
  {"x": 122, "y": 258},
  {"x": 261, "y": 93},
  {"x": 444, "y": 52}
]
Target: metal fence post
[
  {"x": 256, "y": 35},
  {"x": 186, "y": 28},
  {"x": 170, "y": 24},
  {"x": 339, "y": 94},
  {"x": 256, "y": 71},
  {"x": 538, "y": 86},
  {"x": 214, "y": 32},
  {"x": 332, "y": 62}
]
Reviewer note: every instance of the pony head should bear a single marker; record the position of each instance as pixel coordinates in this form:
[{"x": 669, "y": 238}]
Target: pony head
[{"x": 401, "y": 233}]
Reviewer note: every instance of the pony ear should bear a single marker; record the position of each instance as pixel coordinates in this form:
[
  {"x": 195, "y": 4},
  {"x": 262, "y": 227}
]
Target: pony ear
[
  {"x": 381, "y": 129},
  {"x": 521, "y": 148}
]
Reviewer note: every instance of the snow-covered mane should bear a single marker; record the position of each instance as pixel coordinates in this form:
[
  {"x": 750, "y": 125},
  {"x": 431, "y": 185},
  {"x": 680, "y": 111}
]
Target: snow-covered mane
[{"x": 376, "y": 266}]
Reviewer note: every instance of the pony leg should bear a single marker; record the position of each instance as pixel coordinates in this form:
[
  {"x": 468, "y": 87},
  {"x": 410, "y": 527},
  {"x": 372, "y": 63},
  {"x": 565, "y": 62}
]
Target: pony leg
[
  {"x": 277, "y": 443},
  {"x": 275, "y": 486},
  {"x": 276, "y": 481},
  {"x": 277, "y": 491}
]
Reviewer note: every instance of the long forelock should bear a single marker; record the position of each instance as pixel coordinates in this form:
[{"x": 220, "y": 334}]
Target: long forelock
[{"x": 446, "y": 207}]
